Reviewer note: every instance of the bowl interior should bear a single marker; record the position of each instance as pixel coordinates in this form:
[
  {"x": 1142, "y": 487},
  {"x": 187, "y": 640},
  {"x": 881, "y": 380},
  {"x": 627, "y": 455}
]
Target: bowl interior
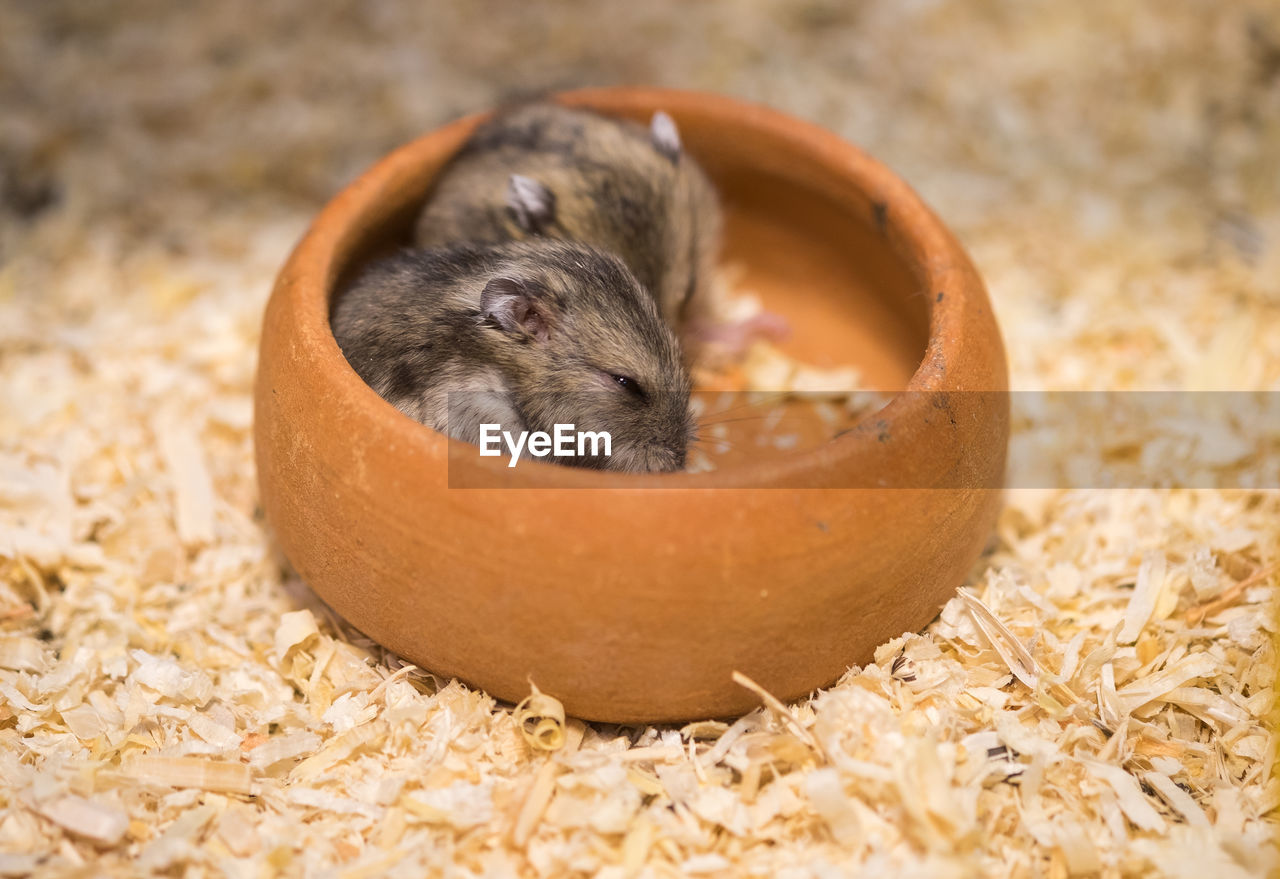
[{"x": 849, "y": 297}]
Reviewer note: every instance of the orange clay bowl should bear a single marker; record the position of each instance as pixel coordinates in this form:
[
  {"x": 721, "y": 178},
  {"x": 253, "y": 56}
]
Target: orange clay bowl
[{"x": 634, "y": 598}]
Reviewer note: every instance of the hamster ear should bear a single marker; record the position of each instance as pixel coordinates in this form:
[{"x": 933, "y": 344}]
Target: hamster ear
[
  {"x": 532, "y": 203},
  {"x": 665, "y": 135},
  {"x": 515, "y": 307}
]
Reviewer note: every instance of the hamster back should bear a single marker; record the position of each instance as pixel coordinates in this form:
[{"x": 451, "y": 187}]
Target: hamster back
[{"x": 542, "y": 170}]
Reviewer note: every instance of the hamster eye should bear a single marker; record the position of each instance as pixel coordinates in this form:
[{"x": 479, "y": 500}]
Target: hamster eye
[{"x": 630, "y": 385}]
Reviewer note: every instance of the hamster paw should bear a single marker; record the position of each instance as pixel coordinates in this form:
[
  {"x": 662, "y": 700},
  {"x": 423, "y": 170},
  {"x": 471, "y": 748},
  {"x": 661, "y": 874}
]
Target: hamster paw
[{"x": 735, "y": 337}]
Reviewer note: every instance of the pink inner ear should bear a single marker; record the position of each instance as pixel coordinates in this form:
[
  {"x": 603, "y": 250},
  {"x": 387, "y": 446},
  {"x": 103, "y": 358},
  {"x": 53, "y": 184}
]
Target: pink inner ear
[
  {"x": 512, "y": 304},
  {"x": 532, "y": 318},
  {"x": 535, "y": 325}
]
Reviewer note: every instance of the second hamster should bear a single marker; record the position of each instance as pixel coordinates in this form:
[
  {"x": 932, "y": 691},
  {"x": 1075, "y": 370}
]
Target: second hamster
[
  {"x": 524, "y": 334},
  {"x": 541, "y": 169}
]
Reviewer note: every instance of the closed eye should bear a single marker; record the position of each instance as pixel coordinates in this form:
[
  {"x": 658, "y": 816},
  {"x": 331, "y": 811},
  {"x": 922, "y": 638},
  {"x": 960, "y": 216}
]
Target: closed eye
[{"x": 630, "y": 385}]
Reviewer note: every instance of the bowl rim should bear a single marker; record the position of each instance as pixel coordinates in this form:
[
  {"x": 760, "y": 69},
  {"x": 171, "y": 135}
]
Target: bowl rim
[{"x": 322, "y": 257}]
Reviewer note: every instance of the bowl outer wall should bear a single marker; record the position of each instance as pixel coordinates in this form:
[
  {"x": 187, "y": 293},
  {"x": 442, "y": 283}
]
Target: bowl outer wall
[{"x": 632, "y": 604}]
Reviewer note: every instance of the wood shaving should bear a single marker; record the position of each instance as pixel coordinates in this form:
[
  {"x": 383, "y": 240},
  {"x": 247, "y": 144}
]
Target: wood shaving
[
  {"x": 212, "y": 775},
  {"x": 785, "y": 714},
  {"x": 541, "y": 720}
]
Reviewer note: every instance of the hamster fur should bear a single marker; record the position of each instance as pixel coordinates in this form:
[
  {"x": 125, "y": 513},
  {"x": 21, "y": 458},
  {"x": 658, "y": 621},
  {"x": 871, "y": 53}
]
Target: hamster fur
[{"x": 543, "y": 170}]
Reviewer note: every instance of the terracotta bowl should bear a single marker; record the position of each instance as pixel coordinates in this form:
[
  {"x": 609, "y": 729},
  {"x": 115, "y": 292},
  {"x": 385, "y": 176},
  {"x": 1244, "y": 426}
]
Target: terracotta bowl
[{"x": 635, "y": 598}]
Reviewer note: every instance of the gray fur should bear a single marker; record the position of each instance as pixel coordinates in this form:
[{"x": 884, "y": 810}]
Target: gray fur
[
  {"x": 524, "y": 334},
  {"x": 616, "y": 185}
]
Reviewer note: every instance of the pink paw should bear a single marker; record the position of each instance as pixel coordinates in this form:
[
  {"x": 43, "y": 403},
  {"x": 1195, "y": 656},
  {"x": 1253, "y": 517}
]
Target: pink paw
[{"x": 736, "y": 337}]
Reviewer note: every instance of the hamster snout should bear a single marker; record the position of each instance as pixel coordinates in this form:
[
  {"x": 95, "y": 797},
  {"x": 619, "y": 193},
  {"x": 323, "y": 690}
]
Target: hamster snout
[{"x": 526, "y": 335}]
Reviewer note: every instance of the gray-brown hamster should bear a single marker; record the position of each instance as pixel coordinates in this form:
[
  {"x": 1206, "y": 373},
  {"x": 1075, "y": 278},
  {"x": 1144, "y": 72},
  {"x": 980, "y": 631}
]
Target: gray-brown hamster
[
  {"x": 541, "y": 169},
  {"x": 528, "y": 335}
]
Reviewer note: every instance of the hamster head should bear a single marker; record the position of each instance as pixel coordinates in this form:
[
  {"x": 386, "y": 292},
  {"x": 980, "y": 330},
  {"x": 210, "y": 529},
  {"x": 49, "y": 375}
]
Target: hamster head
[
  {"x": 634, "y": 191},
  {"x": 580, "y": 343}
]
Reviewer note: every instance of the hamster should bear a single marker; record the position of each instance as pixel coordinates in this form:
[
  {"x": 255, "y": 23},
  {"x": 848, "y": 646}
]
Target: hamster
[
  {"x": 543, "y": 170},
  {"x": 527, "y": 335}
]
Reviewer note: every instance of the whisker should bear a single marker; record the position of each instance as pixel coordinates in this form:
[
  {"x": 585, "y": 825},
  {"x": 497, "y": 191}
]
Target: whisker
[
  {"x": 744, "y": 418},
  {"x": 772, "y": 398}
]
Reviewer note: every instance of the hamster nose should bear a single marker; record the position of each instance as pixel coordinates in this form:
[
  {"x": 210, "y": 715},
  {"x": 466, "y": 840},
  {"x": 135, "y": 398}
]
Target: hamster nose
[{"x": 663, "y": 458}]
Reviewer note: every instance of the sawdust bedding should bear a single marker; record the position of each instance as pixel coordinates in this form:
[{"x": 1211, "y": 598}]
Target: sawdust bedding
[{"x": 1095, "y": 702}]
